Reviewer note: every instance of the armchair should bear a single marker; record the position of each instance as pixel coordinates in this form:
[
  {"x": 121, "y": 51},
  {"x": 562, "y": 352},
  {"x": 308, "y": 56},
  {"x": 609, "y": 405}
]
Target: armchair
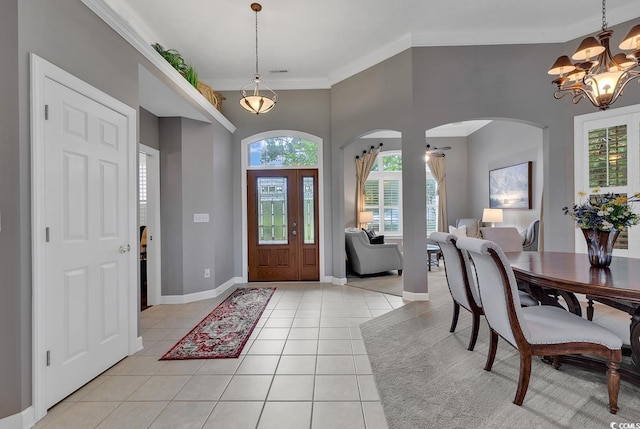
[
  {"x": 367, "y": 258},
  {"x": 530, "y": 236}
]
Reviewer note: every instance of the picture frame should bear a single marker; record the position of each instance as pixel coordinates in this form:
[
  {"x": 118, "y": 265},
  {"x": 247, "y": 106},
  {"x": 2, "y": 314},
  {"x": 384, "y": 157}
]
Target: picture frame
[{"x": 510, "y": 187}]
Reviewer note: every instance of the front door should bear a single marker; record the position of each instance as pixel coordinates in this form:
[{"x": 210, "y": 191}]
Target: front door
[
  {"x": 87, "y": 239},
  {"x": 283, "y": 225}
]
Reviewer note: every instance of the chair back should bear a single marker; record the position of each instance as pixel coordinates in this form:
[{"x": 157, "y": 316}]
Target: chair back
[
  {"x": 508, "y": 238},
  {"x": 497, "y": 287},
  {"x": 460, "y": 277}
]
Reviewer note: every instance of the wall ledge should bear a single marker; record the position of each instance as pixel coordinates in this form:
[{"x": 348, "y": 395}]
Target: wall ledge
[{"x": 124, "y": 29}]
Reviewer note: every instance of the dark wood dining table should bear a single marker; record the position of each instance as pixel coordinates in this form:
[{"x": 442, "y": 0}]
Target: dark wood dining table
[{"x": 549, "y": 275}]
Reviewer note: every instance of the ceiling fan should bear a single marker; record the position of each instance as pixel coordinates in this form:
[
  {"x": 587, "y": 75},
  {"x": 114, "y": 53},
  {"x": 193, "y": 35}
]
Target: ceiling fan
[{"x": 436, "y": 151}]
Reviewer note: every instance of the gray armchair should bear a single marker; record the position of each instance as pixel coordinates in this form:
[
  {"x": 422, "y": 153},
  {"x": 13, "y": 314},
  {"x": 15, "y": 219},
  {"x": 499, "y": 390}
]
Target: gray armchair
[
  {"x": 530, "y": 237},
  {"x": 367, "y": 258}
]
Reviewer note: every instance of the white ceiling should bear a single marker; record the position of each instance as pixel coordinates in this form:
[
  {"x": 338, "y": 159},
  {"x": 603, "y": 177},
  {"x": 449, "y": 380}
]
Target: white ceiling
[{"x": 320, "y": 43}]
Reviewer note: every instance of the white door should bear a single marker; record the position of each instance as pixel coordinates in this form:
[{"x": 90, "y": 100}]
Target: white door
[{"x": 86, "y": 257}]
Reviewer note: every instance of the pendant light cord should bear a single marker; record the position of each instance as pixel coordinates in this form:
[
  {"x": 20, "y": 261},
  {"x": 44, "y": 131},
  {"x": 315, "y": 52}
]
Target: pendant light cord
[{"x": 257, "y": 73}]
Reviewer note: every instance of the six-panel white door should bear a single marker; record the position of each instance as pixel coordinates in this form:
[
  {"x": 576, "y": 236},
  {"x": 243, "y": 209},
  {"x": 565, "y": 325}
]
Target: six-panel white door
[{"x": 87, "y": 265}]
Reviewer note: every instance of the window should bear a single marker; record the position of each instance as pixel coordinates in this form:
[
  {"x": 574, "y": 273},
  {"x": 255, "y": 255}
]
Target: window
[
  {"x": 283, "y": 151},
  {"x": 607, "y": 160},
  {"x": 383, "y": 195}
]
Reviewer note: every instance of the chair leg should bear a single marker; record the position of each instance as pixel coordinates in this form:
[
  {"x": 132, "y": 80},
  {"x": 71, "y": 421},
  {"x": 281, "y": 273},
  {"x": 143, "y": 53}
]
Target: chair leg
[
  {"x": 523, "y": 379},
  {"x": 475, "y": 327},
  {"x": 613, "y": 386},
  {"x": 493, "y": 347},
  {"x": 456, "y": 313},
  {"x": 590, "y": 309},
  {"x": 556, "y": 362},
  {"x": 399, "y": 272}
]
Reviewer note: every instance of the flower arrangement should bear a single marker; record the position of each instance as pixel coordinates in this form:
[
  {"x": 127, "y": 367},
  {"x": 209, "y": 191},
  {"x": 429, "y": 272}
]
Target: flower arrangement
[{"x": 605, "y": 212}]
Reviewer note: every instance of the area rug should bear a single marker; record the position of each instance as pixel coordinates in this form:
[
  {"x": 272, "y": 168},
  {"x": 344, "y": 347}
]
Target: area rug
[
  {"x": 224, "y": 332},
  {"x": 426, "y": 378}
]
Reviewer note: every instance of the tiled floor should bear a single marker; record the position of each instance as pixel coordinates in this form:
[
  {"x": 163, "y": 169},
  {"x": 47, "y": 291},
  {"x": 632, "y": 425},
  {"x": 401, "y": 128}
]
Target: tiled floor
[{"x": 305, "y": 366}]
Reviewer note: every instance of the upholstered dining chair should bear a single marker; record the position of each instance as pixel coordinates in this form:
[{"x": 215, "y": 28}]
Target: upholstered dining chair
[
  {"x": 539, "y": 330},
  {"x": 460, "y": 279}
]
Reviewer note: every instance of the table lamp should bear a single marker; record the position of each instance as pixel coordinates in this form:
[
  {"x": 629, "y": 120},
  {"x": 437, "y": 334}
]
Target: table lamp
[
  {"x": 365, "y": 218},
  {"x": 492, "y": 215}
]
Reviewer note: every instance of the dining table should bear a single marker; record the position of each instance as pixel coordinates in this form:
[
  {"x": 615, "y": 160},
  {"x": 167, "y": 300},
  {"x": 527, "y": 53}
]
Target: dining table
[{"x": 549, "y": 276}]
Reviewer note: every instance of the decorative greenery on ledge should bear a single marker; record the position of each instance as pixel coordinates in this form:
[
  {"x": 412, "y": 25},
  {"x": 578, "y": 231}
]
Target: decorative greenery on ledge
[{"x": 174, "y": 58}]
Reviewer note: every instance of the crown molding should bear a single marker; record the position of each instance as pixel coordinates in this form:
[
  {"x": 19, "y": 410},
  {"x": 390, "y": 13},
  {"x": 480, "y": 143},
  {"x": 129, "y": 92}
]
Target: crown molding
[
  {"x": 275, "y": 84},
  {"x": 370, "y": 60},
  {"x": 124, "y": 29}
]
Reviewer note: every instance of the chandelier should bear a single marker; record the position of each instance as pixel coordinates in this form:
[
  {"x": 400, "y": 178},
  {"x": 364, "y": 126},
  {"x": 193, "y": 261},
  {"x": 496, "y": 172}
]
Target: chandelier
[
  {"x": 252, "y": 100},
  {"x": 597, "y": 75}
]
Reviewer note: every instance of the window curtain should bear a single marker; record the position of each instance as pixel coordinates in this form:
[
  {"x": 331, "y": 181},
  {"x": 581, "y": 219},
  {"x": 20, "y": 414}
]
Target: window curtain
[
  {"x": 437, "y": 168},
  {"x": 364, "y": 164}
]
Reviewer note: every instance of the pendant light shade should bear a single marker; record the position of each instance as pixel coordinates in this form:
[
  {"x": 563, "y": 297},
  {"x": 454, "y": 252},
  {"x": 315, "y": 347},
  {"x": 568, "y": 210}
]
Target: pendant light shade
[{"x": 252, "y": 100}]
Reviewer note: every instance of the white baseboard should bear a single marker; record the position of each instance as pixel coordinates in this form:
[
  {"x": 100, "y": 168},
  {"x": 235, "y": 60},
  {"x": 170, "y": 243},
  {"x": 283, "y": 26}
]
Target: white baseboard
[
  {"x": 199, "y": 296},
  {"x": 23, "y": 420},
  {"x": 411, "y": 296},
  {"x": 139, "y": 345},
  {"x": 338, "y": 281}
]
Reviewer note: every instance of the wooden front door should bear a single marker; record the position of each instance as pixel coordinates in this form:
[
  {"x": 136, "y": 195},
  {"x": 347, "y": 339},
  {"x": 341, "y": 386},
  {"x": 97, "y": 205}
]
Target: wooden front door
[{"x": 283, "y": 225}]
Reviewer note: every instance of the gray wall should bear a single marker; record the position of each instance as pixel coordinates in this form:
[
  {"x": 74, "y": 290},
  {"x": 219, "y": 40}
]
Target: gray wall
[
  {"x": 194, "y": 178},
  {"x": 15, "y": 356},
  {"x": 69, "y": 35},
  {"x": 149, "y": 128},
  {"x": 307, "y": 111},
  {"x": 452, "y": 84},
  {"x": 170, "y": 130},
  {"x": 500, "y": 144}
]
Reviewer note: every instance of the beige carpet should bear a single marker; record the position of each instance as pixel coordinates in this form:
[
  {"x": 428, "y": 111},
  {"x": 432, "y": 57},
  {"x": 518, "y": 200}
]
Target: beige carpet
[{"x": 427, "y": 378}]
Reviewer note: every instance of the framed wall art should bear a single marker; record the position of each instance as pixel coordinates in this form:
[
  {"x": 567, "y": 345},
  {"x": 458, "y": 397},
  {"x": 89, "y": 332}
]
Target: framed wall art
[{"x": 510, "y": 187}]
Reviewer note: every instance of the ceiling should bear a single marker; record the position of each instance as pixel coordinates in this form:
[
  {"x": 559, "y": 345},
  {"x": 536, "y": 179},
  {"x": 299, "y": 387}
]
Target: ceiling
[{"x": 305, "y": 44}]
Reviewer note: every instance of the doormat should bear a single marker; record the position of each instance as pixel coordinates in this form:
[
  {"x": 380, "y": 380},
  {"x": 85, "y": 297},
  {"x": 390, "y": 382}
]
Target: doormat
[{"x": 225, "y": 331}]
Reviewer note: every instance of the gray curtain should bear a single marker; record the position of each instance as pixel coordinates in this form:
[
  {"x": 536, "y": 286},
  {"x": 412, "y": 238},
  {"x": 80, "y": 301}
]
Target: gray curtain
[{"x": 437, "y": 167}]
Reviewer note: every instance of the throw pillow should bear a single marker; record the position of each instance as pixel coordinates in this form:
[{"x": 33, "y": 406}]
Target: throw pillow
[
  {"x": 378, "y": 239},
  {"x": 370, "y": 233},
  {"x": 458, "y": 232}
]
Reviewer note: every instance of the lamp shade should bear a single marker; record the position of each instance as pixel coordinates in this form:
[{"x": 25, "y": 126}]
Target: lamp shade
[
  {"x": 632, "y": 41},
  {"x": 365, "y": 217},
  {"x": 492, "y": 215}
]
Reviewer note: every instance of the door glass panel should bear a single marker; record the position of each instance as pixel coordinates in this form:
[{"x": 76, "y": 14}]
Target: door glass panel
[
  {"x": 272, "y": 210},
  {"x": 308, "y": 210}
]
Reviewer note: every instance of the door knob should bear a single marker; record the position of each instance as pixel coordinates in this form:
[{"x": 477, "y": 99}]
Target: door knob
[
  {"x": 125, "y": 249},
  {"x": 294, "y": 232}
]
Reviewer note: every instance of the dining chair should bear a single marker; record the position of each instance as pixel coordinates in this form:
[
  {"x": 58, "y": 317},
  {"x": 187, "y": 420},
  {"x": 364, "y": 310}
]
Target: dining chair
[
  {"x": 460, "y": 279},
  {"x": 535, "y": 331}
]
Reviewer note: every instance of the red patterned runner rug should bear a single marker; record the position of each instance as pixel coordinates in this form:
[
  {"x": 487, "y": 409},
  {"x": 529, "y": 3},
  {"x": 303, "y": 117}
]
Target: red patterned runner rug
[{"x": 225, "y": 331}]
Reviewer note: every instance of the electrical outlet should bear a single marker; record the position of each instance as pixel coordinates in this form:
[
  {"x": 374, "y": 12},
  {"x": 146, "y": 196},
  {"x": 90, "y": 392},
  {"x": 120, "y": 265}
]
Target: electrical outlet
[{"x": 207, "y": 273}]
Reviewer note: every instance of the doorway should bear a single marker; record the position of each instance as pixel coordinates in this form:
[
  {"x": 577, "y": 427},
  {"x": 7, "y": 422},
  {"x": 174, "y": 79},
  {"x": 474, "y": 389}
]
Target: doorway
[
  {"x": 149, "y": 226},
  {"x": 282, "y": 219}
]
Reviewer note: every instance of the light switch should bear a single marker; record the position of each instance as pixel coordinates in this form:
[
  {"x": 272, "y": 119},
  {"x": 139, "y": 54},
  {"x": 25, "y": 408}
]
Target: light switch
[{"x": 200, "y": 217}]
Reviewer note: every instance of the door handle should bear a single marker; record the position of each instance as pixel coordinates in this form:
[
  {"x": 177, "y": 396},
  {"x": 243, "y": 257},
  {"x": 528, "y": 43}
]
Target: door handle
[{"x": 124, "y": 249}]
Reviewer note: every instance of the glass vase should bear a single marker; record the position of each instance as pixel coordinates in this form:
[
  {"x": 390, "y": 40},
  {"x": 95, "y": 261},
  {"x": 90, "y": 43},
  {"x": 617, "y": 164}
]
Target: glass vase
[{"x": 600, "y": 246}]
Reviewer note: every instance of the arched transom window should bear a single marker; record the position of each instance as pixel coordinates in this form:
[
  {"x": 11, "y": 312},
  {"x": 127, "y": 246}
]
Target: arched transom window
[{"x": 283, "y": 151}]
